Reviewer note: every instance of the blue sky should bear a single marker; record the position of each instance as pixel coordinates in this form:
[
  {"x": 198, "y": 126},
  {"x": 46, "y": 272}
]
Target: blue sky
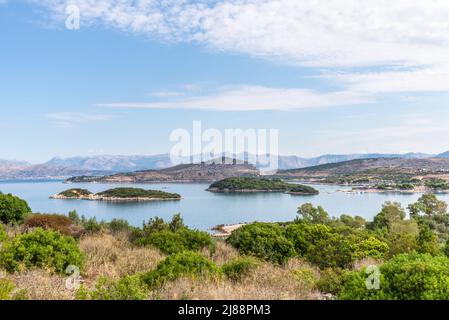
[{"x": 330, "y": 81}]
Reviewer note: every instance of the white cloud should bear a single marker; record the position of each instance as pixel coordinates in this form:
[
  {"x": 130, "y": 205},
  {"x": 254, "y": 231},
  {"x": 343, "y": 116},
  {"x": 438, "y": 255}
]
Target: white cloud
[
  {"x": 68, "y": 119},
  {"x": 409, "y": 40},
  {"x": 314, "y": 32},
  {"x": 253, "y": 98}
]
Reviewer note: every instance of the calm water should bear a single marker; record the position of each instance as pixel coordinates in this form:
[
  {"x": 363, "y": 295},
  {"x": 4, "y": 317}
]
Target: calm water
[{"x": 202, "y": 209}]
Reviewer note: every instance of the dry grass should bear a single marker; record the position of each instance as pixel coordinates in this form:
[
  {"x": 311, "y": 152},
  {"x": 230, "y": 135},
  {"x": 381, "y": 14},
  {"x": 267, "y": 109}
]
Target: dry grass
[
  {"x": 268, "y": 282},
  {"x": 42, "y": 285},
  {"x": 223, "y": 253},
  {"x": 114, "y": 257}
]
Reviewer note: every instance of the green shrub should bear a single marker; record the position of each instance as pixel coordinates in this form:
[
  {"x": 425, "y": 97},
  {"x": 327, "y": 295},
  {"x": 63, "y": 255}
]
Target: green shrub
[
  {"x": 187, "y": 263},
  {"x": 412, "y": 276},
  {"x": 13, "y": 209},
  {"x": 8, "y": 292},
  {"x": 126, "y": 288},
  {"x": 331, "y": 280},
  {"x": 6, "y": 289},
  {"x": 41, "y": 248},
  {"x": 119, "y": 225},
  {"x": 306, "y": 277},
  {"x": 342, "y": 250},
  {"x": 55, "y": 222},
  {"x": 3, "y": 234},
  {"x": 304, "y": 235},
  {"x": 238, "y": 268},
  {"x": 91, "y": 225},
  {"x": 263, "y": 240},
  {"x": 173, "y": 237}
]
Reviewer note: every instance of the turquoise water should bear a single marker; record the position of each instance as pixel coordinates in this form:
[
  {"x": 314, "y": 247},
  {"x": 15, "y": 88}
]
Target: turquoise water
[{"x": 202, "y": 209}]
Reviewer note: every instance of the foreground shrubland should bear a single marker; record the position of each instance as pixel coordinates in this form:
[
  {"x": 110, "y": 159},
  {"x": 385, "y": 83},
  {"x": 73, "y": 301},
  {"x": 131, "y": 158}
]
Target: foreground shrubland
[{"x": 395, "y": 256}]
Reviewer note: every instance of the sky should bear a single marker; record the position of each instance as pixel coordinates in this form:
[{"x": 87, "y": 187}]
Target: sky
[{"x": 333, "y": 76}]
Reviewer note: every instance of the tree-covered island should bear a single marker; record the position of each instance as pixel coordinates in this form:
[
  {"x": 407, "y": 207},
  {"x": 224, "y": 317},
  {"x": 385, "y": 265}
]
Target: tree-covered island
[
  {"x": 255, "y": 184},
  {"x": 118, "y": 194}
]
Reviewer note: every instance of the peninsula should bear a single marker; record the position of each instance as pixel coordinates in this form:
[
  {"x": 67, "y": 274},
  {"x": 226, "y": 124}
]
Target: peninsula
[
  {"x": 184, "y": 173},
  {"x": 118, "y": 195}
]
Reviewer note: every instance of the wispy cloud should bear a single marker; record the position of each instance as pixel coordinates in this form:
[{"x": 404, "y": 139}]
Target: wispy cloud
[
  {"x": 69, "y": 119},
  {"x": 249, "y": 98},
  {"x": 409, "y": 40}
]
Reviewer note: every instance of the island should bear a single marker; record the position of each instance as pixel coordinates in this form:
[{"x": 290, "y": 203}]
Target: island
[
  {"x": 256, "y": 184},
  {"x": 117, "y": 195}
]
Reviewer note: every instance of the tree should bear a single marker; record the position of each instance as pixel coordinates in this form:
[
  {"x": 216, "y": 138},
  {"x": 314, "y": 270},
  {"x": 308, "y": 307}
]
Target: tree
[
  {"x": 402, "y": 237},
  {"x": 427, "y": 240},
  {"x": 391, "y": 212},
  {"x": 308, "y": 213},
  {"x": 13, "y": 209},
  {"x": 412, "y": 276},
  {"x": 177, "y": 223},
  {"x": 428, "y": 205}
]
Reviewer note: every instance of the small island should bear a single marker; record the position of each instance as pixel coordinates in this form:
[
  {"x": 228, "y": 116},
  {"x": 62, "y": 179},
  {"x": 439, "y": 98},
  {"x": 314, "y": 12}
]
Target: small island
[
  {"x": 118, "y": 195},
  {"x": 255, "y": 184}
]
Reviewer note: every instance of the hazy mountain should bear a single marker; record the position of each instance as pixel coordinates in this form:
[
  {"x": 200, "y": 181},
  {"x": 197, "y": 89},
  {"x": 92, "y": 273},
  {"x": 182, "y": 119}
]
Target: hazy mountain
[
  {"x": 113, "y": 163},
  {"x": 108, "y": 164},
  {"x": 443, "y": 155}
]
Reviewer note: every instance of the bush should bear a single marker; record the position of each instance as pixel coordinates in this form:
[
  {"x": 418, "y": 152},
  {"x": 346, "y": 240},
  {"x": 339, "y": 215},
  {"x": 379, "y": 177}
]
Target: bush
[
  {"x": 55, "y": 222},
  {"x": 331, "y": 281},
  {"x": 342, "y": 250},
  {"x": 187, "y": 263},
  {"x": 238, "y": 268},
  {"x": 126, "y": 288},
  {"x": 119, "y": 225},
  {"x": 13, "y": 209},
  {"x": 405, "y": 277},
  {"x": 173, "y": 237},
  {"x": 3, "y": 234},
  {"x": 7, "y": 289},
  {"x": 304, "y": 235},
  {"x": 263, "y": 240},
  {"x": 91, "y": 225},
  {"x": 41, "y": 248},
  {"x": 171, "y": 242}
]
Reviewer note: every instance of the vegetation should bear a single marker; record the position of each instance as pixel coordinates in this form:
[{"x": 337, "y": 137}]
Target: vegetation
[
  {"x": 241, "y": 184},
  {"x": 187, "y": 264},
  {"x": 12, "y": 209},
  {"x": 173, "y": 237},
  {"x": 137, "y": 193},
  {"x": 75, "y": 193},
  {"x": 400, "y": 254},
  {"x": 405, "y": 277},
  {"x": 56, "y": 222},
  {"x": 240, "y": 267},
  {"x": 40, "y": 248},
  {"x": 263, "y": 240}
]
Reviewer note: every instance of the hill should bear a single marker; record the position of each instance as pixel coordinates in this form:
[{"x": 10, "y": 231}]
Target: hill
[{"x": 372, "y": 169}]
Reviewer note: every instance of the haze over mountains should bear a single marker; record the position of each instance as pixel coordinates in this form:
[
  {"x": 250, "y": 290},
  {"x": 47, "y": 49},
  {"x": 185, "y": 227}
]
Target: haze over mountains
[{"x": 61, "y": 168}]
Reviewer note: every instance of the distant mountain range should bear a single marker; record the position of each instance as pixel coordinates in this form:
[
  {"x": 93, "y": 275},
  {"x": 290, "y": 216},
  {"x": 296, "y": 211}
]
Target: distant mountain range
[{"x": 61, "y": 168}]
